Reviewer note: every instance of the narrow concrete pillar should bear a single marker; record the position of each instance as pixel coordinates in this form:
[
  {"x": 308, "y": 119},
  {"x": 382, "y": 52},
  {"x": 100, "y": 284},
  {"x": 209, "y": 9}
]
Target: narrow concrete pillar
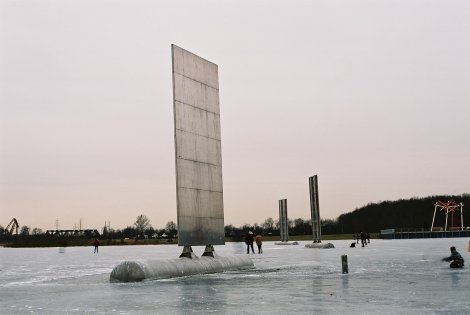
[
  {"x": 315, "y": 208},
  {"x": 283, "y": 221}
]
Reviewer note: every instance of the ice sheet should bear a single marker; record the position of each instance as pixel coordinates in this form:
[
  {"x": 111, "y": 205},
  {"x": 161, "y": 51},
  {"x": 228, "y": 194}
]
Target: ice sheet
[{"x": 386, "y": 277}]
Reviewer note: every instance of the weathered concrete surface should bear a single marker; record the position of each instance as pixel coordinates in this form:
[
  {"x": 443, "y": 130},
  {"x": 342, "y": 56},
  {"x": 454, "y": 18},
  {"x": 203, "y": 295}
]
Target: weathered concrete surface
[
  {"x": 283, "y": 221},
  {"x": 198, "y": 154}
]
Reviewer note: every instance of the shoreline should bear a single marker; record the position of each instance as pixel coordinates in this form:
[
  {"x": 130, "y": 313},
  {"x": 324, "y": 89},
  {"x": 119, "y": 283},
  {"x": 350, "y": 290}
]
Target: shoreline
[{"x": 41, "y": 241}]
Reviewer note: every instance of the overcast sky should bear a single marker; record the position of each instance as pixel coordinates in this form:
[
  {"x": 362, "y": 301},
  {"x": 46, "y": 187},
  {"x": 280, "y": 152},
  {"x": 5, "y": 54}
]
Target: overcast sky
[{"x": 373, "y": 96}]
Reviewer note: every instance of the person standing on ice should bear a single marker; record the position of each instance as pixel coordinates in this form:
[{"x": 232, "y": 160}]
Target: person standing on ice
[
  {"x": 455, "y": 258},
  {"x": 363, "y": 239},
  {"x": 249, "y": 242},
  {"x": 259, "y": 243},
  {"x": 96, "y": 243}
]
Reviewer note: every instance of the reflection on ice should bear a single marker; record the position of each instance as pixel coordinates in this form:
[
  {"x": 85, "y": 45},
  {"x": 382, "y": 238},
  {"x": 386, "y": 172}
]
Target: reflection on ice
[{"x": 395, "y": 276}]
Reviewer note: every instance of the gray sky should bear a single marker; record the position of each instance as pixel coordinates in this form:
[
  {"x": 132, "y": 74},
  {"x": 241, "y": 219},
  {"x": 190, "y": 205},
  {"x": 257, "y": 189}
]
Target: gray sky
[{"x": 373, "y": 96}]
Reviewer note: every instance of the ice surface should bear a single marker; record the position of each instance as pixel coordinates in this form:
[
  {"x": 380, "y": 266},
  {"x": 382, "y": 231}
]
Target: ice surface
[
  {"x": 287, "y": 243},
  {"x": 319, "y": 245},
  {"x": 386, "y": 277}
]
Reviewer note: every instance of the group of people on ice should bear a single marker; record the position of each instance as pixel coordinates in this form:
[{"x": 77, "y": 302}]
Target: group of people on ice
[
  {"x": 250, "y": 238},
  {"x": 363, "y": 236}
]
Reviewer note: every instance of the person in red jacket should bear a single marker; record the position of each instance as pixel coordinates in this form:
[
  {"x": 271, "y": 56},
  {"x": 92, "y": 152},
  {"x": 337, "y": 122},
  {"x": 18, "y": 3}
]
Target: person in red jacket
[{"x": 259, "y": 243}]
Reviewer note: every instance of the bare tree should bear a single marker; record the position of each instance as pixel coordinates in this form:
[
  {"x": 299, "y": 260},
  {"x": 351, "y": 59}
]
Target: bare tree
[
  {"x": 268, "y": 224},
  {"x": 290, "y": 223},
  {"x": 37, "y": 231},
  {"x": 171, "y": 228},
  {"x": 25, "y": 230},
  {"x": 141, "y": 224}
]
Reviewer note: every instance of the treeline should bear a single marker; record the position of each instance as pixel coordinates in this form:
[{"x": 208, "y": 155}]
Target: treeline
[
  {"x": 139, "y": 230},
  {"x": 414, "y": 213},
  {"x": 270, "y": 226},
  {"x": 404, "y": 214}
]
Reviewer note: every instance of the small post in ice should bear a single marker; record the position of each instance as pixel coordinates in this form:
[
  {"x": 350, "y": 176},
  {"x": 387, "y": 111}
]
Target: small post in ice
[{"x": 344, "y": 263}]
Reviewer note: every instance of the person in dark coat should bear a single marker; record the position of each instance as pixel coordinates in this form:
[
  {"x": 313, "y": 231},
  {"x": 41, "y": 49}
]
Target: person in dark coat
[
  {"x": 363, "y": 239},
  {"x": 96, "y": 243},
  {"x": 455, "y": 258},
  {"x": 249, "y": 239}
]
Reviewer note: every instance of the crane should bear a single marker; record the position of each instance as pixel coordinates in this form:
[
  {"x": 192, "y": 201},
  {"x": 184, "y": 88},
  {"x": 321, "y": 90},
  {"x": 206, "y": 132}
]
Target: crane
[{"x": 11, "y": 226}]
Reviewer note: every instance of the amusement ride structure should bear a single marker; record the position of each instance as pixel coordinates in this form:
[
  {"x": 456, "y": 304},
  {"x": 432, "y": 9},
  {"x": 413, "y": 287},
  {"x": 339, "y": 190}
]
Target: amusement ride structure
[{"x": 448, "y": 207}]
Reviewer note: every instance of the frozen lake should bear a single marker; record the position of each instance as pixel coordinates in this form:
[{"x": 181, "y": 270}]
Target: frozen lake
[{"x": 387, "y": 277}]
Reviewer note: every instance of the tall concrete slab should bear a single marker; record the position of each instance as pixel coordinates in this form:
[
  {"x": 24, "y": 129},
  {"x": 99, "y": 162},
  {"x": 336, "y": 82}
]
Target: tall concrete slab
[
  {"x": 198, "y": 154},
  {"x": 315, "y": 208},
  {"x": 283, "y": 221}
]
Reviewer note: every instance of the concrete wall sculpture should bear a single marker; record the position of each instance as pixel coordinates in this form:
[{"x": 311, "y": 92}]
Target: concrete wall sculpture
[
  {"x": 198, "y": 155},
  {"x": 283, "y": 221}
]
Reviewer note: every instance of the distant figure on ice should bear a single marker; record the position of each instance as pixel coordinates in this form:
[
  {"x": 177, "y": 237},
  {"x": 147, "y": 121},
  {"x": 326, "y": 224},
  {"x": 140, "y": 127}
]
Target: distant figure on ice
[
  {"x": 357, "y": 238},
  {"x": 259, "y": 243},
  {"x": 249, "y": 242},
  {"x": 368, "y": 237},
  {"x": 363, "y": 239},
  {"x": 455, "y": 258},
  {"x": 96, "y": 243}
]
